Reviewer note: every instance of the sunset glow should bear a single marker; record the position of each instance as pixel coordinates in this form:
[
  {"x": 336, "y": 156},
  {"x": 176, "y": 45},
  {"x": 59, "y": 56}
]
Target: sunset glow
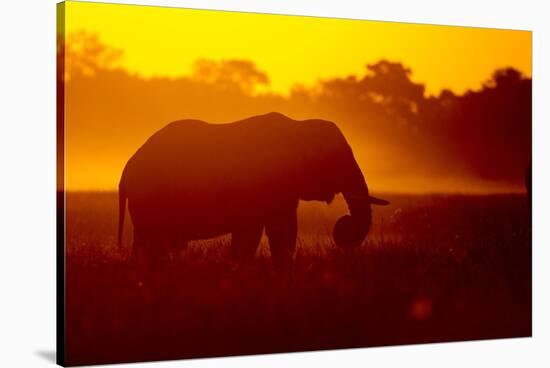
[
  {"x": 162, "y": 41},
  {"x": 137, "y": 68},
  {"x": 236, "y": 183}
]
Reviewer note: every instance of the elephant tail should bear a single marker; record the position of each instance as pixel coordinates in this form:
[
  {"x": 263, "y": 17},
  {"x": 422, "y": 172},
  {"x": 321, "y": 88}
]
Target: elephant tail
[{"x": 121, "y": 208}]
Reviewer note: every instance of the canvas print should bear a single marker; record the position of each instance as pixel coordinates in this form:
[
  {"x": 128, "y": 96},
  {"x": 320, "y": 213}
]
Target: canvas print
[{"x": 234, "y": 183}]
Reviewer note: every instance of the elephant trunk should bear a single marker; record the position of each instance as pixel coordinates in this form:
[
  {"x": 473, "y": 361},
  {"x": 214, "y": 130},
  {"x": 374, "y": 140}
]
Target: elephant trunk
[
  {"x": 359, "y": 207},
  {"x": 352, "y": 229}
]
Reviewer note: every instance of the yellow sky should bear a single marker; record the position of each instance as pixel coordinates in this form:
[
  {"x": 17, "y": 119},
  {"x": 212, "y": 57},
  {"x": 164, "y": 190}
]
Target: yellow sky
[{"x": 292, "y": 49}]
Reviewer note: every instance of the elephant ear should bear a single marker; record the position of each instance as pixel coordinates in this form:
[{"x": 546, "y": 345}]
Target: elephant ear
[{"x": 348, "y": 232}]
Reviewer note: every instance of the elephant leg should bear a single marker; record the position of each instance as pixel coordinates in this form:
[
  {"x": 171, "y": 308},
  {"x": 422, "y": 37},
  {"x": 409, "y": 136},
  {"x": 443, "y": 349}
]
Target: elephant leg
[
  {"x": 281, "y": 230},
  {"x": 148, "y": 248},
  {"x": 176, "y": 247},
  {"x": 139, "y": 243},
  {"x": 141, "y": 248},
  {"x": 245, "y": 241}
]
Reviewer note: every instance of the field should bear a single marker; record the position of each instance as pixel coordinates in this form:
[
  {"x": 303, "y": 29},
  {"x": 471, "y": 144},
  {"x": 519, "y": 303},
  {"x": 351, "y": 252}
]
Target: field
[{"x": 434, "y": 268}]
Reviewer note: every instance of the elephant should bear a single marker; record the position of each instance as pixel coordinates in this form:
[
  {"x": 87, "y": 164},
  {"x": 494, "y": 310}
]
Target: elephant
[{"x": 194, "y": 180}]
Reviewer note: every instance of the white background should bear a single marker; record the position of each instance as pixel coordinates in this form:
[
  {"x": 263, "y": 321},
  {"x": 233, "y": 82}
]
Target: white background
[{"x": 27, "y": 181}]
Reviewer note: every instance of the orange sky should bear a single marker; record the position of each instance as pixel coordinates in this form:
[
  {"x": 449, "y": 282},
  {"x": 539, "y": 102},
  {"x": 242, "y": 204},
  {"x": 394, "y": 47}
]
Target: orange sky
[{"x": 292, "y": 49}]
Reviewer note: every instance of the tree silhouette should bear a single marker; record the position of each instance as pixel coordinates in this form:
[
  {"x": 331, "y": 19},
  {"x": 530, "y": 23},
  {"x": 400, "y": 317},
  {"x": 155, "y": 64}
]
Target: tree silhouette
[
  {"x": 395, "y": 127},
  {"x": 227, "y": 73},
  {"x": 86, "y": 54}
]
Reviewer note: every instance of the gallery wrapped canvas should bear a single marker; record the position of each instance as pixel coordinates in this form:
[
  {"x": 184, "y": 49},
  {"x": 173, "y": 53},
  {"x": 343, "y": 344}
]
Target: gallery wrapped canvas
[{"x": 234, "y": 183}]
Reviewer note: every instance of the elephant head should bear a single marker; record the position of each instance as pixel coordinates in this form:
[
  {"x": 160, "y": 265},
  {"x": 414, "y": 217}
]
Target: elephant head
[{"x": 330, "y": 168}]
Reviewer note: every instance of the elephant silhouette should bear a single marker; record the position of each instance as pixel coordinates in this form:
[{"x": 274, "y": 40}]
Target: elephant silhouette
[{"x": 195, "y": 180}]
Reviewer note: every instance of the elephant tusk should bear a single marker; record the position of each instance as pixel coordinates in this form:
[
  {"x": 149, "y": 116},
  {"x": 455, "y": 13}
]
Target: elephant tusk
[
  {"x": 378, "y": 201},
  {"x": 369, "y": 198}
]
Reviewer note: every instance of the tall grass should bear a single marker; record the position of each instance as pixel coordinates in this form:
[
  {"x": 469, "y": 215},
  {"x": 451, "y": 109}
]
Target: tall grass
[{"x": 434, "y": 268}]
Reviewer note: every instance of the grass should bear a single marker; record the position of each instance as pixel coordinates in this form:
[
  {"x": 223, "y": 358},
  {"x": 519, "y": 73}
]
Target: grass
[{"x": 434, "y": 268}]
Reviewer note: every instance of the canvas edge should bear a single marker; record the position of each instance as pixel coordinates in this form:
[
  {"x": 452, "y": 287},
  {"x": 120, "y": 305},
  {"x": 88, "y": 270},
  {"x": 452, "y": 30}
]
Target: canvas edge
[{"x": 60, "y": 190}]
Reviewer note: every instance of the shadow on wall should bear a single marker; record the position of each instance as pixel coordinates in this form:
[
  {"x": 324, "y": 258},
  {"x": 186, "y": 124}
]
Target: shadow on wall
[{"x": 48, "y": 355}]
